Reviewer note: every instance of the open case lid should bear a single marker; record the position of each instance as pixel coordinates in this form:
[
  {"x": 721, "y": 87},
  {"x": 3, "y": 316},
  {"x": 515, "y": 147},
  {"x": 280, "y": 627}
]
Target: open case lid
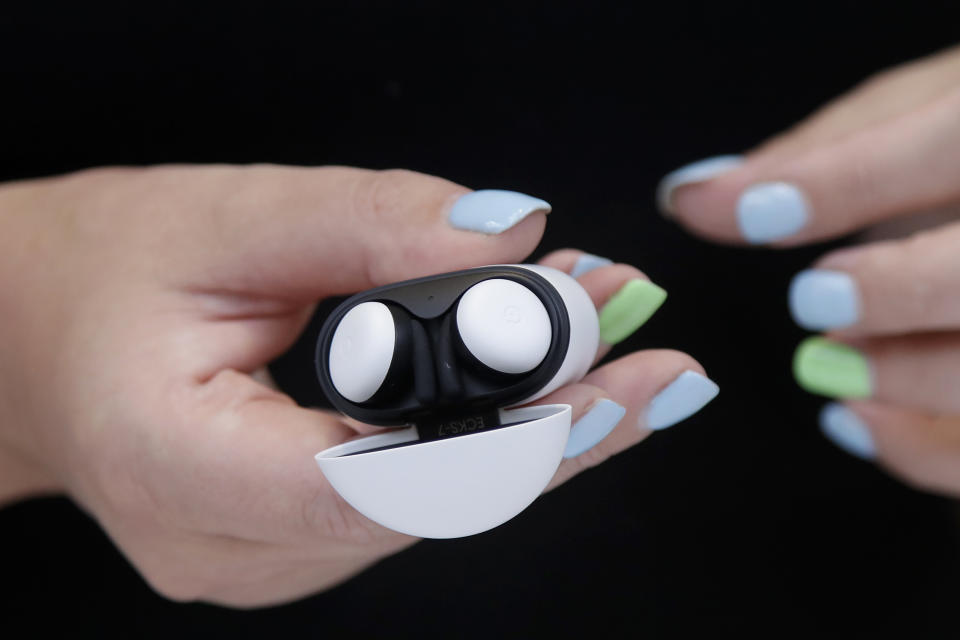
[{"x": 451, "y": 487}]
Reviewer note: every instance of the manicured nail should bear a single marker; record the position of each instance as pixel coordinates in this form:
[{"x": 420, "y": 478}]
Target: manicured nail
[
  {"x": 595, "y": 425},
  {"x": 824, "y": 299},
  {"x": 588, "y": 262},
  {"x": 770, "y": 211},
  {"x": 628, "y": 309},
  {"x": 691, "y": 173},
  {"x": 679, "y": 400},
  {"x": 844, "y": 428},
  {"x": 494, "y": 211},
  {"x": 831, "y": 369}
]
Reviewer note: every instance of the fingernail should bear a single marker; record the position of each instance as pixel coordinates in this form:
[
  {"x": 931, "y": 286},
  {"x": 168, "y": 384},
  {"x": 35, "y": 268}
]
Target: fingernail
[
  {"x": 770, "y": 211},
  {"x": 844, "y": 428},
  {"x": 699, "y": 171},
  {"x": 628, "y": 309},
  {"x": 595, "y": 425},
  {"x": 679, "y": 400},
  {"x": 493, "y": 210},
  {"x": 831, "y": 369},
  {"x": 824, "y": 299},
  {"x": 588, "y": 262}
]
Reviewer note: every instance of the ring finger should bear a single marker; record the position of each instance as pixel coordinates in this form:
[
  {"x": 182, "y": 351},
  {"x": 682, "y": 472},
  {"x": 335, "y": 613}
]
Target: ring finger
[{"x": 624, "y": 296}]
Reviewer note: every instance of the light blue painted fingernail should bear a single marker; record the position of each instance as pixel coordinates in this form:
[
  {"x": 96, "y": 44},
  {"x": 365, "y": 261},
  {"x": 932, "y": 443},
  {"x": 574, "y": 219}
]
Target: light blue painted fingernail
[
  {"x": 594, "y": 426},
  {"x": 844, "y": 428},
  {"x": 823, "y": 299},
  {"x": 679, "y": 400},
  {"x": 494, "y": 211},
  {"x": 588, "y": 262},
  {"x": 771, "y": 211},
  {"x": 696, "y": 172}
]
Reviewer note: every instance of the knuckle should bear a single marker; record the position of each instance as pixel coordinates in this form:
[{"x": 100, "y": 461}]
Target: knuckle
[
  {"x": 175, "y": 578},
  {"x": 118, "y": 486},
  {"x": 385, "y": 200},
  {"x": 913, "y": 253},
  {"x": 670, "y": 361},
  {"x": 685, "y": 361},
  {"x": 624, "y": 273},
  {"x": 99, "y": 175},
  {"x": 865, "y": 179},
  {"x": 877, "y": 79},
  {"x": 331, "y": 516},
  {"x": 591, "y": 458},
  {"x": 174, "y": 589},
  {"x": 915, "y": 478},
  {"x": 385, "y": 193}
]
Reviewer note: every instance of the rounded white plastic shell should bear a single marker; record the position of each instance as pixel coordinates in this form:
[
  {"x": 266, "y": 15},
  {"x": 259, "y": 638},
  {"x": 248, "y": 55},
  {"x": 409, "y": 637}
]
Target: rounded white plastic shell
[
  {"x": 452, "y": 487},
  {"x": 584, "y": 329}
]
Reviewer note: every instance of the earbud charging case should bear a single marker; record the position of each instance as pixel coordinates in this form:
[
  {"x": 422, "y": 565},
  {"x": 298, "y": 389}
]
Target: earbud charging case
[
  {"x": 456, "y": 486},
  {"x": 466, "y": 484}
]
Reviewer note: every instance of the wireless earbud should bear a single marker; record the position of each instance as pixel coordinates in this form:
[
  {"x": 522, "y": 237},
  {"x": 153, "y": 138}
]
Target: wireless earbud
[
  {"x": 449, "y": 355},
  {"x": 504, "y": 325},
  {"x": 362, "y": 350}
]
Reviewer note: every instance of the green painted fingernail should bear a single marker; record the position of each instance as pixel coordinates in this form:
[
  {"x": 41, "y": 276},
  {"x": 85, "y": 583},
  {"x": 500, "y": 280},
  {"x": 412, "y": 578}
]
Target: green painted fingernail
[
  {"x": 628, "y": 309},
  {"x": 831, "y": 369}
]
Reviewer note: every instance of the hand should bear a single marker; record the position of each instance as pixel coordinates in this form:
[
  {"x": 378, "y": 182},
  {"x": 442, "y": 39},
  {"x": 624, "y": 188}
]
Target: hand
[
  {"x": 889, "y": 149},
  {"x": 140, "y": 307}
]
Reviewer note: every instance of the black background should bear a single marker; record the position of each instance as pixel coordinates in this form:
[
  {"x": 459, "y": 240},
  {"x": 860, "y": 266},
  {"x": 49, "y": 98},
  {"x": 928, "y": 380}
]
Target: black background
[{"x": 742, "y": 518}]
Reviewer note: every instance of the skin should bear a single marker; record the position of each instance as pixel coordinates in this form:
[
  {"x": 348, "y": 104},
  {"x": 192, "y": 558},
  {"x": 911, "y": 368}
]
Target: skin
[
  {"x": 887, "y": 151},
  {"x": 139, "y": 309}
]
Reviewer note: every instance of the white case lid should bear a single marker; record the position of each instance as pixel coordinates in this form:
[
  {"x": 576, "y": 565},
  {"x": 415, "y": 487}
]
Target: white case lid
[{"x": 456, "y": 486}]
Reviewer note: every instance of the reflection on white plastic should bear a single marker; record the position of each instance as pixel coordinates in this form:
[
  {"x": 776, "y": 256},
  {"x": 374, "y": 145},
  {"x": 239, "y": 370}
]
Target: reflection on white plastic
[
  {"x": 452, "y": 487},
  {"x": 584, "y": 329}
]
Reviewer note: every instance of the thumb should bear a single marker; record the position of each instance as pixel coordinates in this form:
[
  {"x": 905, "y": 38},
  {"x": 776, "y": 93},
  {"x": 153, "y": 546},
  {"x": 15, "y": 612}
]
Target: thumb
[
  {"x": 900, "y": 166},
  {"x": 256, "y": 453},
  {"x": 305, "y": 233}
]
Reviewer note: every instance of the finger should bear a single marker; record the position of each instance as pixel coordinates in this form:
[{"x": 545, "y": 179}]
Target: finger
[
  {"x": 900, "y": 228},
  {"x": 884, "y": 288},
  {"x": 255, "y": 457},
  {"x": 621, "y": 403},
  {"x": 921, "y": 449},
  {"x": 574, "y": 262},
  {"x": 919, "y": 371},
  {"x": 307, "y": 233},
  {"x": 262, "y": 243},
  {"x": 902, "y": 165},
  {"x": 879, "y": 98},
  {"x": 624, "y": 296}
]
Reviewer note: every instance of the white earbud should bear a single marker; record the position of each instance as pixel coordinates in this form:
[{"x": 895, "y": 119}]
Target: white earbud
[
  {"x": 504, "y": 325},
  {"x": 361, "y": 351}
]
